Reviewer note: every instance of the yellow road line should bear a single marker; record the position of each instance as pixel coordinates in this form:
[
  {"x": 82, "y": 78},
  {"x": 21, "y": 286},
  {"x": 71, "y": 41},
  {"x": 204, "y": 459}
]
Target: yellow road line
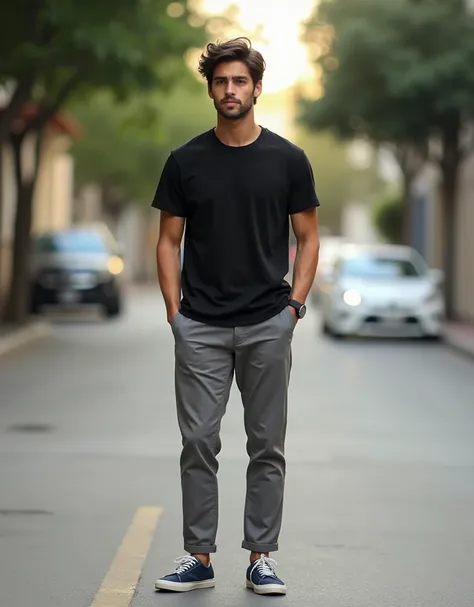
[{"x": 120, "y": 582}]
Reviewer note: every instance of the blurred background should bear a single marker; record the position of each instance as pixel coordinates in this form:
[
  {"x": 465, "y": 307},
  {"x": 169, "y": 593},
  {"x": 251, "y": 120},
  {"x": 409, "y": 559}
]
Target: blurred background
[
  {"x": 93, "y": 99},
  {"x": 380, "y": 95}
]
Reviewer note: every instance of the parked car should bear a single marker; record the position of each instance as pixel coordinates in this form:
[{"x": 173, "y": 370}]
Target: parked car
[
  {"x": 80, "y": 266},
  {"x": 382, "y": 290}
]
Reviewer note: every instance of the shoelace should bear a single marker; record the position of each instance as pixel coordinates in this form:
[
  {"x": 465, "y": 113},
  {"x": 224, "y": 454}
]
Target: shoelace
[
  {"x": 265, "y": 567},
  {"x": 184, "y": 563}
]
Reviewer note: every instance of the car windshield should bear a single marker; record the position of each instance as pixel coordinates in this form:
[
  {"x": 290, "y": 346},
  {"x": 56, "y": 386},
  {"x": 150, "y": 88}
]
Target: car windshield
[
  {"x": 70, "y": 242},
  {"x": 379, "y": 267}
]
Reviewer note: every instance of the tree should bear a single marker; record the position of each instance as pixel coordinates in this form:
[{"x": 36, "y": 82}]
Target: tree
[
  {"x": 399, "y": 72},
  {"x": 57, "y": 49},
  {"x": 338, "y": 181},
  {"x": 113, "y": 154},
  {"x": 388, "y": 217},
  {"x": 123, "y": 156}
]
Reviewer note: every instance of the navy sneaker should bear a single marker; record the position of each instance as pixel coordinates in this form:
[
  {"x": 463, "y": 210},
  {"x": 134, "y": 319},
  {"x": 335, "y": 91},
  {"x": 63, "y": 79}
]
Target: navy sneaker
[
  {"x": 262, "y": 578},
  {"x": 190, "y": 574}
]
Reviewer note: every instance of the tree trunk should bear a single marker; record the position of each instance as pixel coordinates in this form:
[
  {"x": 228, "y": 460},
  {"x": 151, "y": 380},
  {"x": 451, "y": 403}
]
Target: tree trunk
[
  {"x": 407, "y": 214},
  {"x": 20, "y": 96},
  {"x": 9, "y": 114},
  {"x": 450, "y": 171},
  {"x": 411, "y": 159},
  {"x": 18, "y": 306},
  {"x": 18, "y": 300},
  {"x": 403, "y": 157},
  {"x": 1, "y": 228}
]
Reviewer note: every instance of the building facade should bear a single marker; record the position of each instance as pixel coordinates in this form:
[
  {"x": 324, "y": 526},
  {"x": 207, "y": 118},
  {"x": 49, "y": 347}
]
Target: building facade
[{"x": 427, "y": 233}]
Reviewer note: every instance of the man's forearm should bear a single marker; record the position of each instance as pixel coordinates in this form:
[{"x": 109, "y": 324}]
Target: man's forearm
[
  {"x": 169, "y": 276},
  {"x": 304, "y": 271}
]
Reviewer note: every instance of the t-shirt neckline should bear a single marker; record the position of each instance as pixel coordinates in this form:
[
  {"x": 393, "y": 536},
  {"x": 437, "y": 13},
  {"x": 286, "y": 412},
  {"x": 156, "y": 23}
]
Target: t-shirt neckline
[{"x": 238, "y": 147}]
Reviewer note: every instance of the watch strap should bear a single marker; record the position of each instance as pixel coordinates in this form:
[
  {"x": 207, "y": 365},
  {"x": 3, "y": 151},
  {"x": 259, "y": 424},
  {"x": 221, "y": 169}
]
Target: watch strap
[{"x": 295, "y": 304}]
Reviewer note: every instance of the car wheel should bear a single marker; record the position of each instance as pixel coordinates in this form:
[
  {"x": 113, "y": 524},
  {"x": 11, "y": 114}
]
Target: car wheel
[
  {"x": 35, "y": 307},
  {"x": 113, "y": 308},
  {"x": 432, "y": 338},
  {"x": 325, "y": 328}
]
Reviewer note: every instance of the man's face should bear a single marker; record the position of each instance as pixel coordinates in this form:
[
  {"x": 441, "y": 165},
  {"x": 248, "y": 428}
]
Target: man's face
[{"x": 232, "y": 90}]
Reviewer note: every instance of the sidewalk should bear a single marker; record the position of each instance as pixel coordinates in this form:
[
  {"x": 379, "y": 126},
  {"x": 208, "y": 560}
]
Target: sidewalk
[
  {"x": 460, "y": 336},
  {"x": 13, "y": 338}
]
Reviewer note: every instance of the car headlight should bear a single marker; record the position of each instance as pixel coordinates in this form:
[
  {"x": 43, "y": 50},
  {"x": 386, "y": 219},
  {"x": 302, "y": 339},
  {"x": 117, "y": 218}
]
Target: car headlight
[
  {"x": 115, "y": 265},
  {"x": 352, "y": 298}
]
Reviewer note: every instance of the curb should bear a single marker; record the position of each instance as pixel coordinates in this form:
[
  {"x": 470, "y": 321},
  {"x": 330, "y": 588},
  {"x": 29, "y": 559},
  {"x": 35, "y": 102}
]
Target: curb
[
  {"x": 21, "y": 337},
  {"x": 459, "y": 343}
]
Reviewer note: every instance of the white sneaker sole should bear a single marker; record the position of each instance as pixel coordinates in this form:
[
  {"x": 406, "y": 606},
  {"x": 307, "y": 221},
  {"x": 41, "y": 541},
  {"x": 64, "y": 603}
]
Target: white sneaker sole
[
  {"x": 184, "y": 586},
  {"x": 267, "y": 588}
]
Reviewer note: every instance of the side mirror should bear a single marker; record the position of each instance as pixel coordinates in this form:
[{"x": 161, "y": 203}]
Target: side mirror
[{"x": 437, "y": 276}]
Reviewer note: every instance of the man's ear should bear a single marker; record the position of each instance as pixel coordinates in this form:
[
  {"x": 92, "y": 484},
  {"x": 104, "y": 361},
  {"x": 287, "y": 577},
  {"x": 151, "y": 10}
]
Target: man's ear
[
  {"x": 257, "y": 91},
  {"x": 209, "y": 91}
]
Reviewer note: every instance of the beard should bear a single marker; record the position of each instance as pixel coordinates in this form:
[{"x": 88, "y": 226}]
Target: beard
[{"x": 237, "y": 112}]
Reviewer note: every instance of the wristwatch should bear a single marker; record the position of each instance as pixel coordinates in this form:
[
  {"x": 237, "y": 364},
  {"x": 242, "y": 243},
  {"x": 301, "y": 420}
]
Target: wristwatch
[{"x": 299, "y": 307}]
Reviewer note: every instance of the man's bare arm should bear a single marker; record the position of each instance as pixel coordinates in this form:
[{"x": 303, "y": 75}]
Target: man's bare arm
[
  {"x": 168, "y": 261},
  {"x": 305, "y": 227}
]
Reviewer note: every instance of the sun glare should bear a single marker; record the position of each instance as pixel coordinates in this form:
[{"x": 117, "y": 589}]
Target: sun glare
[{"x": 277, "y": 27}]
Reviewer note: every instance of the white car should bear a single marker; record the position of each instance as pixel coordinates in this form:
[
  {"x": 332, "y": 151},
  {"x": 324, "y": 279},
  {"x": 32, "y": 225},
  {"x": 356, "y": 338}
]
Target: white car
[
  {"x": 328, "y": 250},
  {"x": 382, "y": 290}
]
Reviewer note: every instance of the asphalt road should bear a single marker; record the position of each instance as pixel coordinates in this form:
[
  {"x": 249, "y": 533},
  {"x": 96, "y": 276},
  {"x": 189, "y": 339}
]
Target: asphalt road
[{"x": 380, "y": 490}]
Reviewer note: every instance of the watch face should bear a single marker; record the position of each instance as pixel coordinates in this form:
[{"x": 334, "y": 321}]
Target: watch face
[{"x": 302, "y": 311}]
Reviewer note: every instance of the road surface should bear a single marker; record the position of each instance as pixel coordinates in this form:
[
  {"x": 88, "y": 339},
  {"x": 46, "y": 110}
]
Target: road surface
[{"x": 380, "y": 491}]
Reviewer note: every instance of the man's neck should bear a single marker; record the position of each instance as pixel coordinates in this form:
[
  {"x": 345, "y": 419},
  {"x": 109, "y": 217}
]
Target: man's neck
[{"x": 237, "y": 133}]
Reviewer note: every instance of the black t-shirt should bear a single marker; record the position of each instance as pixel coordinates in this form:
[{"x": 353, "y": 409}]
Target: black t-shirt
[{"x": 237, "y": 202}]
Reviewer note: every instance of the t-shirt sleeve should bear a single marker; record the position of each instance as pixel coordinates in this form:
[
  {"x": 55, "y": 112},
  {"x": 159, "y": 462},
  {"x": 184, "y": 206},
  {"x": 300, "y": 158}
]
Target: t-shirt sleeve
[
  {"x": 302, "y": 190},
  {"x": 169, "y": 194}
]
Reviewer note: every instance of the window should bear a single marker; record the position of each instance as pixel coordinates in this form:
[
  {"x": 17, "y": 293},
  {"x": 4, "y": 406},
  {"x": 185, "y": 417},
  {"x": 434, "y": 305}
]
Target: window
[
  {"x": 80, "y": 241},
  {"x": 379, "y": 267}
]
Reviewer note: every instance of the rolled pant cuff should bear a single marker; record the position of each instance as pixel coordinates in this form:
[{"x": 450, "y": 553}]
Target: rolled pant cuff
[
  {"x": 200, "y": 549},
  {"x": 259, "y": 547}
]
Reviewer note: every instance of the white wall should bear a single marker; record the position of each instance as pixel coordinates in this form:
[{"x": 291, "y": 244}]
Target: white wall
[{"x": 54, "y": 190}]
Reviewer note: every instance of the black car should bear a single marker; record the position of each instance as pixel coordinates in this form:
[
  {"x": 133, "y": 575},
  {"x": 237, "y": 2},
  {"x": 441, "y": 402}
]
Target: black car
[{"x": 76, "y": 267}]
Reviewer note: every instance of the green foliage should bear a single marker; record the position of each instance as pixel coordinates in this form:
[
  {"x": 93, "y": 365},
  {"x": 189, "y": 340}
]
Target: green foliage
[
  {"x": 396, "y": 71},
  {"x": 118, "y": 151},
  {"x": 61, "y": 47},
  {"x": 338, "y": 182},
  {"x": 399, "y": 71},
  {"x": 109, "y": 153},
  {"x": 58, "y": 50},
  {"x": 388, "y": 218}
]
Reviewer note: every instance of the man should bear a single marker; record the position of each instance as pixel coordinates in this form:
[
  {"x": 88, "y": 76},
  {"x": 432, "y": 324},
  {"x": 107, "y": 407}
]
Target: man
[{"x": 234, "y": 188}]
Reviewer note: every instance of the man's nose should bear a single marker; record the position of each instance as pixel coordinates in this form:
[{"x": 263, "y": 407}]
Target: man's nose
[{"x": 229, "y": 89}]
